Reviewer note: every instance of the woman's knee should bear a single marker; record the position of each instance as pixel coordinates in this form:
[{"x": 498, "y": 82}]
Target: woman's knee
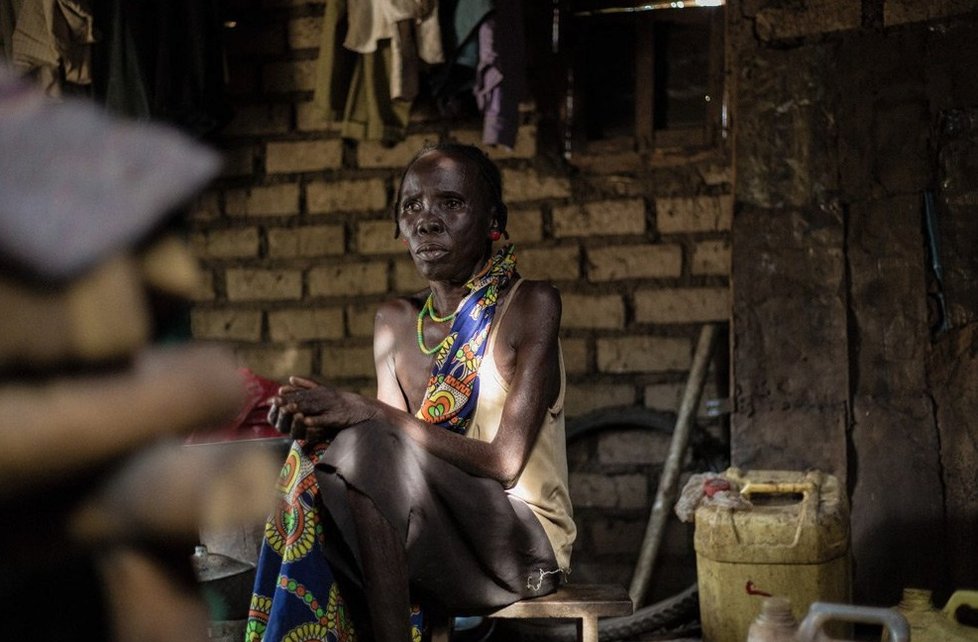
[{"x": 376, "y": 445}]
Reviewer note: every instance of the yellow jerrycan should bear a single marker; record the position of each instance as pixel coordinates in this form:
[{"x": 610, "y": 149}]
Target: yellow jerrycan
[
  {"x": 792, "y": 542},
  {"x": 929, "y": 624}
]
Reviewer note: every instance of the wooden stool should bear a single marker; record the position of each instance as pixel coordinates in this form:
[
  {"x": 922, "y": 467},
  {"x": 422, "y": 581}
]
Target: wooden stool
[{"x": 583, "y": 602}]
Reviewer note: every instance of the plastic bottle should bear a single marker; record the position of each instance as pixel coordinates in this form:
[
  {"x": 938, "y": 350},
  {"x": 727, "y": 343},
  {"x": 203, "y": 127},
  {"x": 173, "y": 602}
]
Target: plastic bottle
[{"x": 775, "y": 622}]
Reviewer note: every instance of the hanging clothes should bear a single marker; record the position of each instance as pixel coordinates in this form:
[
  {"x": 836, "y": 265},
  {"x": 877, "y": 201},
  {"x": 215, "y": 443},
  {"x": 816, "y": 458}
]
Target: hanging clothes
[
  {"x": 8, "y": 21},
  {"x": 353, "y": 88},
  {"x": 373, "y": 21},
  {"x": 373, "y": 52},
  {"x": 162, "y": 60},
  {"x": 459, "y": 21},
  {"x": 52, "y": 42},
  {"x": 415, "y": 41},
  {"x": 367, "y": 74},
  {"x": 414, "y": 31},
  {"x": 500, "y": 79},
  {"x": 452, "y": 84},
  {"x": 485, "y": 47}
]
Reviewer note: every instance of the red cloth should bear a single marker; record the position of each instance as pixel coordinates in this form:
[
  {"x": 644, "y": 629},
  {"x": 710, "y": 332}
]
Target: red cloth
[
  {"x": 252, "y": 421},
  {"x": 713, "y": 486}
]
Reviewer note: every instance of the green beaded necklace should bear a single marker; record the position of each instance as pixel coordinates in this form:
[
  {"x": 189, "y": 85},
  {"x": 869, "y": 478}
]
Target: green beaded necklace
[{"x": 428, "y": 309}]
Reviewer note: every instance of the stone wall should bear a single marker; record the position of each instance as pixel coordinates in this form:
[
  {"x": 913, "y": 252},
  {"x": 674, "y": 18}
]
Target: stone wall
[
  {"x": 846, "y": 113},
  {"x": 297, "y": 242}
]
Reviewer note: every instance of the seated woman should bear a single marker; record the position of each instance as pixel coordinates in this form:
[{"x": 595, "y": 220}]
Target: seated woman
[{"x": 450, "y": 488}]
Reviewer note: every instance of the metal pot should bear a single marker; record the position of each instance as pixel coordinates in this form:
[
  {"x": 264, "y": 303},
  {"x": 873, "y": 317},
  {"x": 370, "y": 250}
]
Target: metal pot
[{"x": 226, "y": 583}]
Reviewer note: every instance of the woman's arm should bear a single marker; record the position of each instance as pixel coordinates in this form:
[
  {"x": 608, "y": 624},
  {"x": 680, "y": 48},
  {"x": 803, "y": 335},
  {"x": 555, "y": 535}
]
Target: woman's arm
[
  {"x": 527, "y": 352},
  {"x": 385, "y": 341}
]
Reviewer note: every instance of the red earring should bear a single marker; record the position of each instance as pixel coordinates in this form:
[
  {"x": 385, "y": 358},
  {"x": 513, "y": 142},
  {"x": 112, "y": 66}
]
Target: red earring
[{"x": 495, "y": 235}]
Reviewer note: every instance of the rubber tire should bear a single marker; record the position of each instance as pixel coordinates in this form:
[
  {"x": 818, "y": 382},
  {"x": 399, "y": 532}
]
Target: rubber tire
[{"x": 625, "y": 417}]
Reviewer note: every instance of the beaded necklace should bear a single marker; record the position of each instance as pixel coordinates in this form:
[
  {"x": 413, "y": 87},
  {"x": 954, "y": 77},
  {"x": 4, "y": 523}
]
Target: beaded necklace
[{"x": 428, "y": 309}]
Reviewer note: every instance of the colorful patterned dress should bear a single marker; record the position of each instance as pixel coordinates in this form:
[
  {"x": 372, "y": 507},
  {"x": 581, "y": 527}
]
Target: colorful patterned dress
[{"x": 296, "y": 597}]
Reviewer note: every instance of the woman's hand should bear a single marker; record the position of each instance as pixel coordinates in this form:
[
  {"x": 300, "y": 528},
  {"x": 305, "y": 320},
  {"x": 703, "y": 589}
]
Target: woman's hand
[{"x": 312, "y": 411}]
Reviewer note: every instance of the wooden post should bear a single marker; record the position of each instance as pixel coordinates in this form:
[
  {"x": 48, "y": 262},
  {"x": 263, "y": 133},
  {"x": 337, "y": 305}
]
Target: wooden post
[{"x": 666, "y": 492}]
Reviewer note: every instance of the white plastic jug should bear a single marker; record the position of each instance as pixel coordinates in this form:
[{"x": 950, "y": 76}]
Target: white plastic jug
[{"x": 822, "y": 613}]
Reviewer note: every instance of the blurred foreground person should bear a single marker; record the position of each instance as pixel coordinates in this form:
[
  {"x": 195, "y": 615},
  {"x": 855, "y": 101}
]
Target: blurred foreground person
[
  {"x": 102, "y": 503},
  {"x": 448, "y": 490}
]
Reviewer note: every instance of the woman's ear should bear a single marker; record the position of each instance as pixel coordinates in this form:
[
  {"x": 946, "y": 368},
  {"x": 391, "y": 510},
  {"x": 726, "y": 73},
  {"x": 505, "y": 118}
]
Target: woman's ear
[{"x": 498, "y": 216}]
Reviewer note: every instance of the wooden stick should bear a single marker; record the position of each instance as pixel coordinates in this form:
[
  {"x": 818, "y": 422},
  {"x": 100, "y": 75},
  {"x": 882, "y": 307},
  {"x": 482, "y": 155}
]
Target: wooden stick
[{"x": 666, "y": 491}]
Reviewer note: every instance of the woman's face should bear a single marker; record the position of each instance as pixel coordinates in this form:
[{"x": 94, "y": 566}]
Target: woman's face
[{"x": 445, "y": 216}]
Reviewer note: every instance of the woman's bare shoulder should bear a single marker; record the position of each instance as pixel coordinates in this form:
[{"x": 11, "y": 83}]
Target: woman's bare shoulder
[
  {"x": 536, "y": 301},
  {"x": 537, "y": 295},
  {"x": 398, "y": 310}
]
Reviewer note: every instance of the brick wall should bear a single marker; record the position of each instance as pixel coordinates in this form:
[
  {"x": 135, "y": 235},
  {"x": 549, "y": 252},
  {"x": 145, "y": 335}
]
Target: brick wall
[
  {"x": 298, "y": 247},
  {"x": 298, "y": 243}
]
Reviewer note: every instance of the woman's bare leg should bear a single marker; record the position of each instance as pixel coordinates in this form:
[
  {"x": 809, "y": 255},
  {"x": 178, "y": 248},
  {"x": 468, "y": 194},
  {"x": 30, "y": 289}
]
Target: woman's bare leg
[{"x": 385, "y": 579}]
